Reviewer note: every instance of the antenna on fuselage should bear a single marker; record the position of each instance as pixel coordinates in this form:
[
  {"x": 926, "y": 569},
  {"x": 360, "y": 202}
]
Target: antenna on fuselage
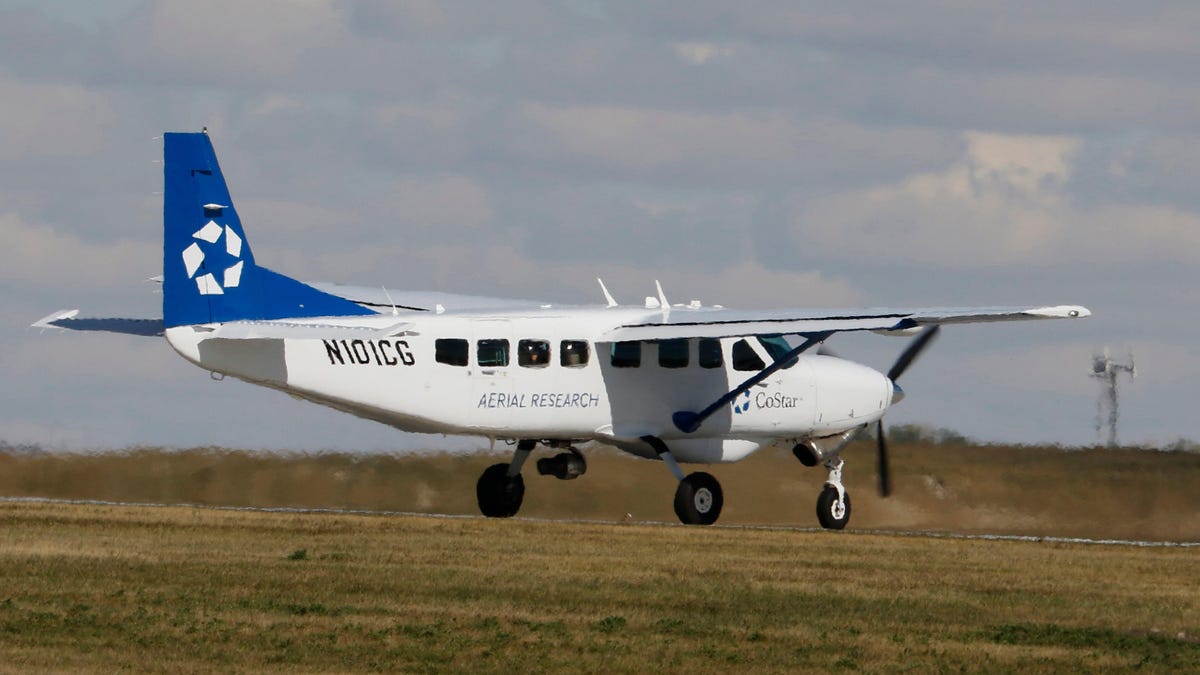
[
  {"x": 395, "y": 312},
  {"x": 607, "y": 296},
  {"x": 662, "y": 297}
]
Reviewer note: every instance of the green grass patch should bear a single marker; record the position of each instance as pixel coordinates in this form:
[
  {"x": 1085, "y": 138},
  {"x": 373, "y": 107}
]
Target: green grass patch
[{"x": 98, "y": 589}]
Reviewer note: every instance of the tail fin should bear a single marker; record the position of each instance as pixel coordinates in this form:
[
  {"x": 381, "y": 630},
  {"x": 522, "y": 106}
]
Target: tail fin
[{"x": 209, "y": 273}]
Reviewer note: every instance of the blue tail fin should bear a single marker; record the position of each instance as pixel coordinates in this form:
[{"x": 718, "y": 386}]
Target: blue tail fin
[{"x": 209, "y": 273}]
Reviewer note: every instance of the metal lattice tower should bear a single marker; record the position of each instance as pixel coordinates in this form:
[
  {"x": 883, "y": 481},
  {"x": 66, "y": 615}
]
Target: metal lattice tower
[{"x": 1105, "y": 369}]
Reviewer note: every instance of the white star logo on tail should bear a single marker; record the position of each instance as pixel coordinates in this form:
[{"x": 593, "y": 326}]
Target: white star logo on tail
[{"x": 193, "y": 258}]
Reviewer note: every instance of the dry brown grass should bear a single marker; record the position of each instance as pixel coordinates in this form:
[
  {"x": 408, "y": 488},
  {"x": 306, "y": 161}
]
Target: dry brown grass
[
  {"x": 1128, "y": 494},
  {"x": 87, "y": 588}
]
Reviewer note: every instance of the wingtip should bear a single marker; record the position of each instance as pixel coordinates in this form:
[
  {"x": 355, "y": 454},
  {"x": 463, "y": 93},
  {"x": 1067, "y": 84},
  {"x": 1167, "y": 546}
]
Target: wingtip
[{"x": 1062, "y": 312}]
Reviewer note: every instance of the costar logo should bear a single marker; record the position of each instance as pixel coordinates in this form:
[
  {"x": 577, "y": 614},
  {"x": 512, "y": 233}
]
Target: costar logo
[
  {"x": 194, "y": 257},
  {"x": 739, "y": 408}
]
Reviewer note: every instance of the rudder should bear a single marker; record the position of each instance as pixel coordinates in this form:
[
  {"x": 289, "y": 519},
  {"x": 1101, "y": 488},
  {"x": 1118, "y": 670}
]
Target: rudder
[{"x": 209, "y": 272}]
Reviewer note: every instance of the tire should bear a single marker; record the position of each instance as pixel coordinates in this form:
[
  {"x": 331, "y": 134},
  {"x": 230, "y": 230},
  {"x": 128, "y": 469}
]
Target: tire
[
  {"x": 829, "y": 513},
  {"x": 698, "y": 499},
  {"x": 499, "y": 496}
]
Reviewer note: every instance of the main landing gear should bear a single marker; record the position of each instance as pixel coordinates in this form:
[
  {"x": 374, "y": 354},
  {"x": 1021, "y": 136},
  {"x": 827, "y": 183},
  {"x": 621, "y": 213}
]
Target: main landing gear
[
  {"x": 501, "y": 488},
  {"x": 698, "y": 499}
]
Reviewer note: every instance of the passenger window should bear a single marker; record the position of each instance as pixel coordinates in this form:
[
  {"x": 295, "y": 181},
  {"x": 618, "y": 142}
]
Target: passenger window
[
  {"x": 744, "y": 357},
  {"x": 492, "y": 353},
  {"x": 533, "y": 353},
  {"x": 573, "y": 353},
  {"x": 451, "y": 351},
  {"x": 673, "y": 353},
  {"x": 710, "y": 353},
  {"x": 778, "y": 347},
  {"x": 626, "y": 354}
]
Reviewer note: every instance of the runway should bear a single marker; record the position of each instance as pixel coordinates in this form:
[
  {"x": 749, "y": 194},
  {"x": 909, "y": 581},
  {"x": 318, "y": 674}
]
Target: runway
[{"x": 923, "y": 534}]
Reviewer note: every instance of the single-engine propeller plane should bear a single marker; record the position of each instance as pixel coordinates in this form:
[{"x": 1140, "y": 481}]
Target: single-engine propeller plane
[{"x": 684, "y": 384}]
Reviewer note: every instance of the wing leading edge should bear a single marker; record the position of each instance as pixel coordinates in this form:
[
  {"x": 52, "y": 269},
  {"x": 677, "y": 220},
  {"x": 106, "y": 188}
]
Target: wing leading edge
[{"x": 717, "y": 323}]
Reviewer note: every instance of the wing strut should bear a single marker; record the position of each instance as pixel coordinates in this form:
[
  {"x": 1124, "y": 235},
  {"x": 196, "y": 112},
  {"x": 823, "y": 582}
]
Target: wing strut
[{"x": 688, "y": 422}]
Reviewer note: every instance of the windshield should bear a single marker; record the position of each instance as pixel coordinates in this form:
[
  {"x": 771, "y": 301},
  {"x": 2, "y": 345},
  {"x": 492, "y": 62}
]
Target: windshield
[{"x": 777, "y": 347}]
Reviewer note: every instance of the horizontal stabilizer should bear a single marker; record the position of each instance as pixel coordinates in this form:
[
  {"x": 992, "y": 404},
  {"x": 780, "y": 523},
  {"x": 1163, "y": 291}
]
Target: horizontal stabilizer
[{"x": 68, "y": 319}]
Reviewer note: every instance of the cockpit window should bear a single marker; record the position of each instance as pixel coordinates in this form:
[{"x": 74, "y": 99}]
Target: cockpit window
[
  {"x": 573, "y": 353},
  {"x": 533, "y": 353},
  {"x": 492, "y": 353},
  {"x": 451, "y": 351},
  {"x": 626, "y": 354},
  {"x": 777, "y": 347},
  {"x": 673, "y": 353},
  {"x": 745, "y": 358}
]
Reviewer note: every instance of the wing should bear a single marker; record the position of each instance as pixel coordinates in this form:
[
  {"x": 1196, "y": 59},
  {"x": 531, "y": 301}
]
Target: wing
[
  {"x": 309, "y": 330},
  {"x": 382, "y": 300},
  {"x": 715, "y": 323},
  {"x": 68, "y": 319}
]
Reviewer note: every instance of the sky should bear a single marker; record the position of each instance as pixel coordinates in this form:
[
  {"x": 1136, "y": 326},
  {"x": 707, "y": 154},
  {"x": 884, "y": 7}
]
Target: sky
[{"x": 757, "y": 154}]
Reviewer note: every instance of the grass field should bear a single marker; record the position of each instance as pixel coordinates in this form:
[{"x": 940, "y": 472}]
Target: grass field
[{"x": 116, "y": 588}]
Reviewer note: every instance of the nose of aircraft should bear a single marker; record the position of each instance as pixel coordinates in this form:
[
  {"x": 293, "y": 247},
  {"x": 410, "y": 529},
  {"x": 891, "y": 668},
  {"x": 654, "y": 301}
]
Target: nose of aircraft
[{"x": 897, "y": 393}]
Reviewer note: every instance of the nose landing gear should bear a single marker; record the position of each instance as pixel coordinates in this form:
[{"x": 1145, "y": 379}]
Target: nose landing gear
[{"x": 833, "y": 504}]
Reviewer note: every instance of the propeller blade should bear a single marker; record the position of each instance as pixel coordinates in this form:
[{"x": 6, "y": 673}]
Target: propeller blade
[
  {"x": 885, "y": 475},
  {"x": 913, "y": 350}
]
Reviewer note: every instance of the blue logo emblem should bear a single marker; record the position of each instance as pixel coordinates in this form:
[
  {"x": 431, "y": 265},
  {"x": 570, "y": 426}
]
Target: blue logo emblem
[{"x": 743, "y": 406}]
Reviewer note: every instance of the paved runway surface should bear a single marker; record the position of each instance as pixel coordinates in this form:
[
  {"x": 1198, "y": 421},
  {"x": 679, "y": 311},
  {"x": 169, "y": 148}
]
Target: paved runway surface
[{"x": 779, "y": 528}]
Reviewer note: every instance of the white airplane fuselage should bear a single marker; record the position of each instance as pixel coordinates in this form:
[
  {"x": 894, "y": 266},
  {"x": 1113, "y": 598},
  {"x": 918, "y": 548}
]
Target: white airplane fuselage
[{"x": 396, "y": 377}]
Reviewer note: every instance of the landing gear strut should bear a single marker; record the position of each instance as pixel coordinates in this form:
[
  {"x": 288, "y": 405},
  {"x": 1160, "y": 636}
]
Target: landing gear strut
[
  {"x": 833, "y": 505},
  {"x": 501, "y": 489}
]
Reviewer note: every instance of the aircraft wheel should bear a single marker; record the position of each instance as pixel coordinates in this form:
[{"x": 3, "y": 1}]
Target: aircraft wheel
[
  {"x": 832, "y": 513},
  {"x": 499, "y": 496},
  {"x": 698, "y": 499}
]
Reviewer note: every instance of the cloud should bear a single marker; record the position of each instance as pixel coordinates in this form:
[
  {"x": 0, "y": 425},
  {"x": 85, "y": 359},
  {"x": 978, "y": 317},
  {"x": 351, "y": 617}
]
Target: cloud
[
  {"x": 1006, "y": 201},
  {"x": 45, "y": 256},
  {"x": 94, "y": 357},
  {"x": 743, "y": 147},
  {"x": 700, "y": 53},
  {"x": 47, "y": 121},
  {"x": 771, "y": 155},
  {"x": 426, "y": 205},
  {"x": 1043, "y": 368},
  {"x": 230, "y": 41}
]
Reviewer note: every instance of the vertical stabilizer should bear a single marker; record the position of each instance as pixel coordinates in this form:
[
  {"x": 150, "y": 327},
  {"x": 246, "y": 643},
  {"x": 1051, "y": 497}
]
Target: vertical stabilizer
[{"x": 209, "y": 271}]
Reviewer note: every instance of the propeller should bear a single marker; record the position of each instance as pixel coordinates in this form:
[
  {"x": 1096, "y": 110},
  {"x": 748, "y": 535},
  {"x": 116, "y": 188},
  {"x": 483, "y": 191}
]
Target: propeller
[{"x": 902, "y": 363}]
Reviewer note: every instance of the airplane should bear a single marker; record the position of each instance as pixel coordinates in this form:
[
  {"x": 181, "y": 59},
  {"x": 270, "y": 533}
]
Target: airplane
[{"x": 679, "y": 383}]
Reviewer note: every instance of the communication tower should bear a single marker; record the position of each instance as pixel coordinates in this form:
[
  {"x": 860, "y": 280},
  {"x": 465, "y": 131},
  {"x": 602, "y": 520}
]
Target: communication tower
[{"x": 1105, "y": 369}]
